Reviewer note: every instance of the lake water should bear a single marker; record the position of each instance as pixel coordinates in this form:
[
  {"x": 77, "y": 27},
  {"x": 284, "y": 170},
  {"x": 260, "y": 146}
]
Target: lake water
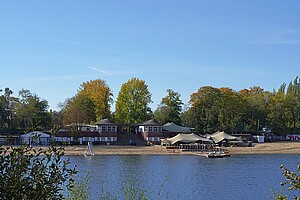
[{"x": 187, "y": 177}]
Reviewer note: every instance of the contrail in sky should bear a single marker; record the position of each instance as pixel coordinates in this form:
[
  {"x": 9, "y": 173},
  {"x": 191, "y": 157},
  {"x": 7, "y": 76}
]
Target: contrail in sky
[{"x": 100, "y": 71}]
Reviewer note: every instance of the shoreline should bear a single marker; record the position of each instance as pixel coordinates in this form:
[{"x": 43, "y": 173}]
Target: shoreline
[{"x": 259, "y": 148}]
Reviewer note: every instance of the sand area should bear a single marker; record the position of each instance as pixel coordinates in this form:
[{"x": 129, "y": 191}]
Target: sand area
[{"x": 259, "y": 148}]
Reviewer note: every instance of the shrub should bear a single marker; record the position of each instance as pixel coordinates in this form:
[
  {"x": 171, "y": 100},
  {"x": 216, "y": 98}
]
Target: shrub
[
  {"x": 292, "y": 182},
  {"x": 27, "y": 173}
]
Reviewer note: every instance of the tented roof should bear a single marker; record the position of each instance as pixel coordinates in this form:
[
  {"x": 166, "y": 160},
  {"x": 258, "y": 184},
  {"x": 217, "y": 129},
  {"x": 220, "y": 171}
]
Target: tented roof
[
  {"x": 187, "y": 138},
  {"x": 171, "y": 127},
  {"x": 220, "y": 136},
  {"x": 36, "y": 133}
]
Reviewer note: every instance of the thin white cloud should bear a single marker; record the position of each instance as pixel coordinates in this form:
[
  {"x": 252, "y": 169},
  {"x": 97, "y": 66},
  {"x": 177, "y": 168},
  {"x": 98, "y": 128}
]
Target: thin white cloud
[{"x": 100, "y": 71}]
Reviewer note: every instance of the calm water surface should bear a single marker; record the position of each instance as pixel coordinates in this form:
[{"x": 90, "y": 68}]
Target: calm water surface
[{"x": 187, "y": 177}]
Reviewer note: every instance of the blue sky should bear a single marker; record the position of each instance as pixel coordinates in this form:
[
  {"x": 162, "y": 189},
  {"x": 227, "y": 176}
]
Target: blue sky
[{"x": 51, "y": 47}]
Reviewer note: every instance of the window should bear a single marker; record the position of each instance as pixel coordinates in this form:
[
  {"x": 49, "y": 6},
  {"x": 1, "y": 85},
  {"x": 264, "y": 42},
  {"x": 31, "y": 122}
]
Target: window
[
  {"x": 155, "y": 128},
  {"x": 109, "y": 128},
  {"x": 150, "y": 128},
  {"x": 103, "y": 128}
]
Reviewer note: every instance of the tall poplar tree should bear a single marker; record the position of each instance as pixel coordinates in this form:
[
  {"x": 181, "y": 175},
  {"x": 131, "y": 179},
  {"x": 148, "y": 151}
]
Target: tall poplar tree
[{"x": 132, "y": 105}]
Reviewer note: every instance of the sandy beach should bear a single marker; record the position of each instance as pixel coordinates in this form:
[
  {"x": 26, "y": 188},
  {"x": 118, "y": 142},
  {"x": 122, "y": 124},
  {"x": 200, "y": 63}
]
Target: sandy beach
[{"x": 260, "y": 148}]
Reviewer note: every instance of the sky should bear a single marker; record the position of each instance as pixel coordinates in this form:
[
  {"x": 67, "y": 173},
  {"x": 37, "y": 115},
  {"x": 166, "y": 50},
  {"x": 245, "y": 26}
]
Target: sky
[{"x": 52, "y": 47}]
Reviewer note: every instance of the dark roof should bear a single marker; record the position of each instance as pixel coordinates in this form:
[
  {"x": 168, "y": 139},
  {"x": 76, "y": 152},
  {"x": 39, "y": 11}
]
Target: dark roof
[
  {"x": 104, "y": 122},
  {"x": 151, "y": 122}
]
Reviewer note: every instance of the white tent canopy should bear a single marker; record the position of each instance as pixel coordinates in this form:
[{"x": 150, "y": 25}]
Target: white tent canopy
[
  {"x": 171, "y": 127},
  {"x": 220, "y": 136},
  {"x": 35, "y": 137},
  {"x": 187, "y": 138}
]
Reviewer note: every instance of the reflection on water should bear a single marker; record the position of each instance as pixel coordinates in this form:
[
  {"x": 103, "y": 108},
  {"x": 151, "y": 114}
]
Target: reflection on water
[{"x": 187, "y": 177}]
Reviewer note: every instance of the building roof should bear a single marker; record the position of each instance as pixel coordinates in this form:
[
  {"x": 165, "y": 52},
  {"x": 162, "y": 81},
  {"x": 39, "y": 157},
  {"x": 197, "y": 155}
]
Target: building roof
[
  {"x": 104, "y": 122},
  {"x": 35, "y": 133},
  {"x": 187, "y": 138},
  {"x": 220, "y": 136},
  {"x": 151, "y": 122},
  {"x": 172, "y": 127}
]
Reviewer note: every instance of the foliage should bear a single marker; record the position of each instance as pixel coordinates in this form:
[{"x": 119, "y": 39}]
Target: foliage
[
  {"x": 284, "y": 108},
  {"x": 27, "y": 173},
  {"x": 204, "y": 109},
  {"x": 209, "y": 109},
  {"x": 247, "y": 110},
  {"x": 132, "y": 190},
  {"x": 80, "y": 109},
  {"x": 132, "y": 102},
  {"x": 100, "y": 94},
  {"x": 257, "y": 102},
  {"x": 80, "y": 189},
  {"x": 170, "y": 108},
  {"x": 31, "y": 111},
  {"x": 292, "y": 182},
  {"x": 5, "y": 111}
]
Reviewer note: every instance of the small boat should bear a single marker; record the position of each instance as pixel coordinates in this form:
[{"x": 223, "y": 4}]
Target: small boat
[
  {"x": 214, "y": 154},
  {"x": 218, "y": 153}
]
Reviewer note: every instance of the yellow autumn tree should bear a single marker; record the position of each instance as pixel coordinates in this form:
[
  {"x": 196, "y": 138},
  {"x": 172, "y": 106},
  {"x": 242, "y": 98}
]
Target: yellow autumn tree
[{"x": 101, "y": 95}]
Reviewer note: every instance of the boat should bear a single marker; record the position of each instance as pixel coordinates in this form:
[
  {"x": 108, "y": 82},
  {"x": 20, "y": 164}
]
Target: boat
[
  {"x": 214, "y": 154},
  {"x": 218, "y": 153}
]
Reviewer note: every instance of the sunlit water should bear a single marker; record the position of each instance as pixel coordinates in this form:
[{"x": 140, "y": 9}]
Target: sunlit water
[{"x": 187, "y": 177}]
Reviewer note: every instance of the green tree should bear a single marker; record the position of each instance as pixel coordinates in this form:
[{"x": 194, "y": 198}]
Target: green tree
[
  {"x": 132, "y": 102},
  {"x": 231, "y": 111},
  {"x": 169, "y": 109},
  {"x": 100, "y": 94},
  {"x": 292, "y": 105},
  {"x": 204, "y": 109},
  {"x": 257, "y": 103},
  {"x": 80, "y": 109},
  {"x": 5, "y": 109},
  {"x": 32, "y": 111},
  {"x": 27, "y": 173}
]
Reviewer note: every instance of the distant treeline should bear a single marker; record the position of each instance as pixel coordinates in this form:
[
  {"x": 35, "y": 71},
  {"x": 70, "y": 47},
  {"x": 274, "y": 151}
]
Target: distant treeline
[{"x": 208, "y": 110}]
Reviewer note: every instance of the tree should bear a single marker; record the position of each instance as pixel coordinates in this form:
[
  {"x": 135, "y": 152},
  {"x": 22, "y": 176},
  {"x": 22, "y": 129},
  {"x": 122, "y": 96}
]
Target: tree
[
  {"x": 5, "y": 109},
  {"x": 204, "y": 109},
  {"x": 231, "y": 111},
  {"x": 132, "y": 102},
  {"x": 169, "y": 109},
  {"x": 31, "y": 111},
  {"x": 100, "y": 94},
  {"x": 80, "y": 109},
  {"x": 27, "y": 173},
  {"x": 256, "y": 108}
]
